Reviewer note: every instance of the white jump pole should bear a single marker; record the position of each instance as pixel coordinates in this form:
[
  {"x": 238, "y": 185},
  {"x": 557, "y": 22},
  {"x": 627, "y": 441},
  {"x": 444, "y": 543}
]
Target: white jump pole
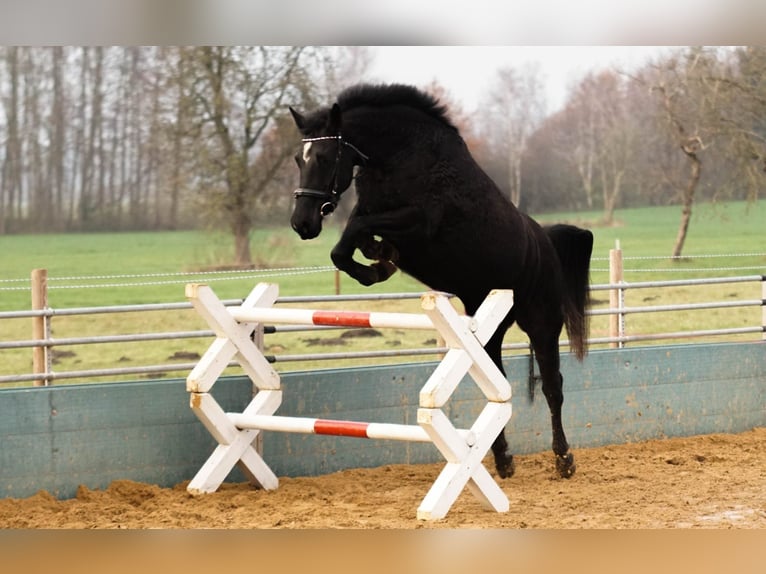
[
  {"x": 356, "y": 429},
  {"x": 463, "y": 449},
  {"x": 332, "y": 318}
]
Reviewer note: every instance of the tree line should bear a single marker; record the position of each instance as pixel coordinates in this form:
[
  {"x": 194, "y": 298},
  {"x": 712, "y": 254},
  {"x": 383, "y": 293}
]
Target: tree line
[
  {"x": 689, "y": 125},
  {"x": 110, "y": 138}
]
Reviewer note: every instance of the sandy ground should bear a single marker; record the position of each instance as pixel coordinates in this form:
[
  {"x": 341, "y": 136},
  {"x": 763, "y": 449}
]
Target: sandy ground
[{"x": 712, "y": 481}]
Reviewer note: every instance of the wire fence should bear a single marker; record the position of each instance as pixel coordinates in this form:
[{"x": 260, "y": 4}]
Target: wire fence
[
  {"x": 45, "y": 346},
  {"x": 183, "y": 277},
  {"x": 153, "y": 279},
  {"x": 685, "y": 259}
]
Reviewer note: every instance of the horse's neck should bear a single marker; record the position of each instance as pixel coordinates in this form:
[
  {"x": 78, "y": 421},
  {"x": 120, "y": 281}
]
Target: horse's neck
[{"x": 374, "y": 136}]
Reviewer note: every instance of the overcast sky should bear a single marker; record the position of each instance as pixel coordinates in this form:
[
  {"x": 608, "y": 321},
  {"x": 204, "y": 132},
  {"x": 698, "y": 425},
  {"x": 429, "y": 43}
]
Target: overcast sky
[
  {"x": 339, "y": 22},
  {"x": 467, "y": 71}
]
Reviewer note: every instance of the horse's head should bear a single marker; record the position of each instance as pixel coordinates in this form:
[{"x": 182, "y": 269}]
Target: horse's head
[{"x": 326, "y": 164}]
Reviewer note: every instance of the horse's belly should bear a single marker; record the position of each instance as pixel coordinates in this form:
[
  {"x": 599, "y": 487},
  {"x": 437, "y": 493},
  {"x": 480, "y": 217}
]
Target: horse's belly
[{"x": 458, "y": 273}]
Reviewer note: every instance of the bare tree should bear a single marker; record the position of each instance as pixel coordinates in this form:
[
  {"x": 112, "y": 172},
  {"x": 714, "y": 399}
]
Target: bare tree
[
  {"x": 91, "y": 174},
  {"x": 691, "y": 143},
  {"x": 514, "y": 109},
  {"x": 177, "y": 129},
  {"x": 599, "y": 137},
  {"x": 688, "y": 97},
  {"x": 615, "y": 142},
  {"x": 13, "y": 170},
  {"x": 578, "y": 141},
  {"x": 740, "y": 84},
  {"x": 115, "y": 137},
  {"x": 236, "y": 94},
  {"x": 57, "y": 130},
  {"x": 342, "y": 66},
  {"x": 38, "y": 211}
]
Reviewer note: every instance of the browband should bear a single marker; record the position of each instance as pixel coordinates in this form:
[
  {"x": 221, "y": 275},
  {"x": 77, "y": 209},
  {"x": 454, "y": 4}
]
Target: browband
[{"x": 339, "y": 138}]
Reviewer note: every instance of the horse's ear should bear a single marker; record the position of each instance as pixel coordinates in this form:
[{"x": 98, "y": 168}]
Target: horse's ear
[
  {"x": 333, "y": 122},
  {"x": 299, "y": 120}
]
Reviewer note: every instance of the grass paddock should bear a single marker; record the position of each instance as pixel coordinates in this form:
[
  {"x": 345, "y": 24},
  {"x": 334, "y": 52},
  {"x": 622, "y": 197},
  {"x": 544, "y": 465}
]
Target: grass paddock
[{"x": 152, "y": 267}]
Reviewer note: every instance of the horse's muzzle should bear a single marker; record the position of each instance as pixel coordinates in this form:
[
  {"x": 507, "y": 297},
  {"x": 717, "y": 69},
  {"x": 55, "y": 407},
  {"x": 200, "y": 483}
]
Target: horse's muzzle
[
  {"x": 307, "y": 228},
  {"x": 305, "y": 231}
]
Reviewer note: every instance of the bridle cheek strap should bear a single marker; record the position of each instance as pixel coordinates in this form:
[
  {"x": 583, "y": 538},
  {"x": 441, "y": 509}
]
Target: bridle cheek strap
[{"x": 331, "y": 197}]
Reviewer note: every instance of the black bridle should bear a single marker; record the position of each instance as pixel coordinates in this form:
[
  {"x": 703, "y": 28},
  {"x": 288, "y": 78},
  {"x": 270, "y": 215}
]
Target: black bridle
[{"x": 332, "y": 196}]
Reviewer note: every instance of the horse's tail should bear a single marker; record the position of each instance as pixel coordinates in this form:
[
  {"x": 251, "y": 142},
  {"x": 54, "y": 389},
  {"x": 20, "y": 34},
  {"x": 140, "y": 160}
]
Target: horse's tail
[{"x": 574, "y": 246}]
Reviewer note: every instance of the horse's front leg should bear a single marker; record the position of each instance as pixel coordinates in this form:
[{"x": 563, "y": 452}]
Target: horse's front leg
[
  {"x": 342, "y": 256},
  {"x": 361, "y": 232}
]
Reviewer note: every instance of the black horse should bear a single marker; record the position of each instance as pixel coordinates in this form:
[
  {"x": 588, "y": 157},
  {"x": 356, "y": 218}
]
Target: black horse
[{"x": 424, "y": 206}]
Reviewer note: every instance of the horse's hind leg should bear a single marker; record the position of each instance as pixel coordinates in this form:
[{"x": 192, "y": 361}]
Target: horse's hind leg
[
  {"x": 503, "y": 459},
  {"x": 547, "y": 354}
]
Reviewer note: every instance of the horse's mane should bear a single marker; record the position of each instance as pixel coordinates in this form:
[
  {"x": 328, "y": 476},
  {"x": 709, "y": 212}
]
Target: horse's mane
[{"x": 383, "y": 95}]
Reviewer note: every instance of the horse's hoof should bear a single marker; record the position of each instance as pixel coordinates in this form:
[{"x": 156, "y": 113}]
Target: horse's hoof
[
  {"x": 366, "y": 280},
  {"x": 565, "y": 465},
  {"x": 367, "y": 275},
  {"x": 372, "y": 250},
  {"x": 376, "y": 250},
  {"x": 506, "y": 466},
  {"x": 384, "y": 270},
  {"x": 389, "y": 253}
]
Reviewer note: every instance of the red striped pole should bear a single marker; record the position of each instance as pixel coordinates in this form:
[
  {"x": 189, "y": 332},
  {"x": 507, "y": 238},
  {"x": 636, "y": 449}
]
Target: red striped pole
[
  {"x": 331, "y": 318},
  {"x": 341, "y": 428},
  {"x": 341, "y": 318},
  {"x": 356, "y": 429}
]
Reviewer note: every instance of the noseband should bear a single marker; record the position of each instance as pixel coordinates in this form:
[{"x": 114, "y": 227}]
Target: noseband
[{"x": 333, "y": 196}]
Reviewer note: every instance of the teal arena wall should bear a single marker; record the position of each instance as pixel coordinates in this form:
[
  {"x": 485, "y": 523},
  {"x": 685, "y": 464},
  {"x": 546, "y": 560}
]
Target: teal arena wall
[{"x": 57, "y": 438}]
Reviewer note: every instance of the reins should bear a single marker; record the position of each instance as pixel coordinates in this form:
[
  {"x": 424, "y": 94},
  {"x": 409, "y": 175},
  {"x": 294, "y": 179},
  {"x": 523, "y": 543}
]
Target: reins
[{"x": 333, "y": 196}]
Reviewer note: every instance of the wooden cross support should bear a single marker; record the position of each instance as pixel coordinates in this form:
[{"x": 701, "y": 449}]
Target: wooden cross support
[{"x": 463, "y": 449}]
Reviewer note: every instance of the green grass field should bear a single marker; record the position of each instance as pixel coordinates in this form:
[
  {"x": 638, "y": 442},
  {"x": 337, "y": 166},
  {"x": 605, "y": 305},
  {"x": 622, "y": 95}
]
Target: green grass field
[
  {"x": 716, "y": 229},
  {"x": 123, "y": 268},
  {"x": 134, "y": 268}
]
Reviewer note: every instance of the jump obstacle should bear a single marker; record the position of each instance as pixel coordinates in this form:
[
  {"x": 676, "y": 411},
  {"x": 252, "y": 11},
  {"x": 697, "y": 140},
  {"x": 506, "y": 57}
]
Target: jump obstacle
[{"x": 463, "y": 449}]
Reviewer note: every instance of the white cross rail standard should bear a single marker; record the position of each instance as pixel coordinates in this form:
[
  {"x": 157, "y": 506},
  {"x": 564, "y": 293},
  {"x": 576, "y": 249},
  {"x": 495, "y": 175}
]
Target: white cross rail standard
[{"x": 463, "y": 449}]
